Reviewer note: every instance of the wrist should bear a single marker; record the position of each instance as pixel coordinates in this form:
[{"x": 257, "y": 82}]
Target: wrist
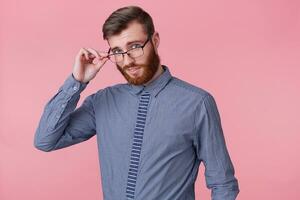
[{"x": 79, "y": 80}]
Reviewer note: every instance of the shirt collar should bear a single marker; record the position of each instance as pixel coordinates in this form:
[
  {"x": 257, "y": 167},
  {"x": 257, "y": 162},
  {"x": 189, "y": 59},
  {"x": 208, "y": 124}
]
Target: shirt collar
[{"x": 155, "y": 86}]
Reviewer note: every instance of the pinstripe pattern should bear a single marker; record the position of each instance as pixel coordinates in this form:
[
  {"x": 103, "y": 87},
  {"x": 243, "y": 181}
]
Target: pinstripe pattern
[{"x": 137, "y": 144}]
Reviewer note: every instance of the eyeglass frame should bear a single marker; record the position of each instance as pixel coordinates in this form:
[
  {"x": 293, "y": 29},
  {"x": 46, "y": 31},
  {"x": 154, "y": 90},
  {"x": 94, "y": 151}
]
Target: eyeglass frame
[{"x": 126, "y": 52}]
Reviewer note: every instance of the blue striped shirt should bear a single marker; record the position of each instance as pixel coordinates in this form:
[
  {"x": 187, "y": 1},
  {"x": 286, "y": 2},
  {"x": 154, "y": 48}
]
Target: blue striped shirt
[{"x": 151, "y": 139}]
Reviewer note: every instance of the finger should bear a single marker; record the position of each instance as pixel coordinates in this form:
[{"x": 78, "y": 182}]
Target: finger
[
  {"x": 100, "y": 64},
  {"x": 103, "y": 54},
  {"x": 94, "y": 52},
  {"x": 85, "y": 52}
]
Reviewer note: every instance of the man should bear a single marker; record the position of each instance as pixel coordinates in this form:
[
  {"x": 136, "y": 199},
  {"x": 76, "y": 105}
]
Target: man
[{"x": 152, "y": 132}]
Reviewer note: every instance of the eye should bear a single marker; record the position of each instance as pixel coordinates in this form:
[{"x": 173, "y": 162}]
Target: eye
[
  {"x": 117, "y": 51},
  {"x": 134, "y": 46}
]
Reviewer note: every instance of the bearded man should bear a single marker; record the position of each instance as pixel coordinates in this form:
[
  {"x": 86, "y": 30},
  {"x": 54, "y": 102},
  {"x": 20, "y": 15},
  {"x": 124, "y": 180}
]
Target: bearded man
[{"x": 152, "y": 131}]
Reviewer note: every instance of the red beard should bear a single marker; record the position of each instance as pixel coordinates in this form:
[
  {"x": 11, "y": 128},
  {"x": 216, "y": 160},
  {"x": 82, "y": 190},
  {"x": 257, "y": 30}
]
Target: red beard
[{"x": 148, "y": 69}]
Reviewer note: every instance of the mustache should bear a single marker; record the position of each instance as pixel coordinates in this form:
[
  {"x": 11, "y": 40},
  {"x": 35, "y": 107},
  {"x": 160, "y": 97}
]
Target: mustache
[{"x": 131, "y": 65}]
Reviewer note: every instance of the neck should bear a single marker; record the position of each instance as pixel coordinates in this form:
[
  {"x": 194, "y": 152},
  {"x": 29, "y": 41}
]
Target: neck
[{"x": 159, "y": 71}]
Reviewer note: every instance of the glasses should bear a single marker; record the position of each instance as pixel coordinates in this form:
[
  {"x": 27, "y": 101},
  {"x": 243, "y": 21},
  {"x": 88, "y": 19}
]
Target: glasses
[{"x": 135, "y": 51}]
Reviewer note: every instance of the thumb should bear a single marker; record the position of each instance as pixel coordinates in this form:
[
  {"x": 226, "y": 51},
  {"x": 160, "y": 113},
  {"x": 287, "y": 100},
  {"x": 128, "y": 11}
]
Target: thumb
[{"x": 100, "y": 63}]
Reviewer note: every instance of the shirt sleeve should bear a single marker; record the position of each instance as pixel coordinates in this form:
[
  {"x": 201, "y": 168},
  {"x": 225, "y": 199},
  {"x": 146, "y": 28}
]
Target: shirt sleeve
[
  {"x": 212, "y": 151},
  {"x": 60, "y": 124}
]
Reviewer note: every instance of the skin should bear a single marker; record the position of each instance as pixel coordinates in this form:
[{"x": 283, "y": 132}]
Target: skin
[{"x": 88, "y": 61}]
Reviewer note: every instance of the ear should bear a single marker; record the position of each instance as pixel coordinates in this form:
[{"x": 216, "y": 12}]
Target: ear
[{"x": 155, "y": 40}]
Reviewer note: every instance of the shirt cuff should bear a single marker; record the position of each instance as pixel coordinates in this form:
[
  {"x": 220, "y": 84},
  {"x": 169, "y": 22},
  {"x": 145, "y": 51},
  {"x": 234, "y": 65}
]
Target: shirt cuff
[{"x": 72, "y": 86}]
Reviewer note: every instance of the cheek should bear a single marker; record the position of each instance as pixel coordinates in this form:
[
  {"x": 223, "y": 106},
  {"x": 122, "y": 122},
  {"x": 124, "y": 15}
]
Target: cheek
[{"x": 141, "y": 60}]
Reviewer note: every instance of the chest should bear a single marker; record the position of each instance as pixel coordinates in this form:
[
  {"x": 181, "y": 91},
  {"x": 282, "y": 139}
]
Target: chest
[{"x": 169, "y": 125}]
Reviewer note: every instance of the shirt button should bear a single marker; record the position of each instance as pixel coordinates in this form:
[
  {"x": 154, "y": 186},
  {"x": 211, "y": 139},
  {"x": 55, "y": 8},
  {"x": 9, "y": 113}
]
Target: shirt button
[
  {"x": 74, "y": 88},
  {"x": 63, "y": 105},
  {"x": 57, "y": 116}
]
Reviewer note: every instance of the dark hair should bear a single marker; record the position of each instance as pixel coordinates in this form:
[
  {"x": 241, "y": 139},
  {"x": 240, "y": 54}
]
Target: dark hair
[{"x": 119, "y": 20}]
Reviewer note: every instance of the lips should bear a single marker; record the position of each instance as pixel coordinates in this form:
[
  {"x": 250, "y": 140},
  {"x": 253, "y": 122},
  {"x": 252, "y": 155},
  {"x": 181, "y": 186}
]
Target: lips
[{"x": 132, "y": 70}]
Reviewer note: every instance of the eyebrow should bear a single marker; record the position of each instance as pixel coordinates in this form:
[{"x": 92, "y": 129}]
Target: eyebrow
[{"x": 127, "y": 44}]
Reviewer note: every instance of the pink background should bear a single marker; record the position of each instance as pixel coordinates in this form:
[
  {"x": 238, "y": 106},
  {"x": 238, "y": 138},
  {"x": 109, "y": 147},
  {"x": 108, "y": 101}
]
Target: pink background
[{"x": 246, "y": 53}]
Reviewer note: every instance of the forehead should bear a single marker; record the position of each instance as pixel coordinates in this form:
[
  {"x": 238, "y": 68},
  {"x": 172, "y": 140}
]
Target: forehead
[{"x": 134, "y": 32}]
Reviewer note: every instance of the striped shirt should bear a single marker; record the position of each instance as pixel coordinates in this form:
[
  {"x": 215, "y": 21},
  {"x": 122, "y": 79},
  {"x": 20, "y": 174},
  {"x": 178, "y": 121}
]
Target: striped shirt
[{"x": 151, "y": 139}]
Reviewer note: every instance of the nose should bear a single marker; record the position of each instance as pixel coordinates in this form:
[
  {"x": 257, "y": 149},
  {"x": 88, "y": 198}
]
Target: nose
[{"x": 127, "y": 60}]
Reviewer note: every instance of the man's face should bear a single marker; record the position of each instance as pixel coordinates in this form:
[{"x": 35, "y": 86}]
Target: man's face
[{"x": 138, "y": 70}]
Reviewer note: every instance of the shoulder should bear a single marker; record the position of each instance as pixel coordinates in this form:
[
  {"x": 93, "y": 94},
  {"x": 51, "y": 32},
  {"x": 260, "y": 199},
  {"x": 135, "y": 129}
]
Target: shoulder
[
  {"x": 111, "y": 90},
  {"x": 185, "y": 88}
]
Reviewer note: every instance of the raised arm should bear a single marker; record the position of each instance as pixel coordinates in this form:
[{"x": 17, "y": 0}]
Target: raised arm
[{"x": 61, "y": 125}]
